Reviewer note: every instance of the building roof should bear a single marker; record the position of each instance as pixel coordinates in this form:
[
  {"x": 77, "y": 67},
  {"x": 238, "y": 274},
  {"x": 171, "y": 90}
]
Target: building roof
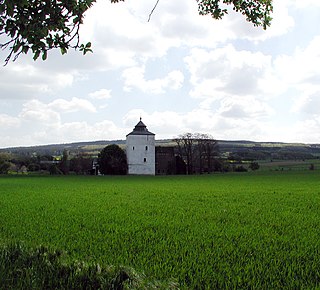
[{"x": 140, "y": 129}]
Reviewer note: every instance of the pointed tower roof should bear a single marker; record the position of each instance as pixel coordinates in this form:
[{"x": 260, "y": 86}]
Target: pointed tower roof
[{"x": 140, "y": 129}]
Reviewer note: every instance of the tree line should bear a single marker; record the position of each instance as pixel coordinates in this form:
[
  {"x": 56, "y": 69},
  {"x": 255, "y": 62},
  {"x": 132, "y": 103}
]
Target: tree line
[
  {"x": 192, "y": 153},
  {"x": 196, "y": 153}
]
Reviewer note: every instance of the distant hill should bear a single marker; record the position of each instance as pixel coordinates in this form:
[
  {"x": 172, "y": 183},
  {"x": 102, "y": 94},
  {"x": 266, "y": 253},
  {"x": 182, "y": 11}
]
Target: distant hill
[{"x": 241, "y": 148}]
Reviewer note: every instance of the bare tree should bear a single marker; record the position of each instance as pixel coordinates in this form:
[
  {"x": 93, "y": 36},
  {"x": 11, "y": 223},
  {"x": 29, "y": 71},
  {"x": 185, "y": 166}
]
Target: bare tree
[
  {"x": 185, "y": 144},
  {"x": 207, "y": 148},
  {"x": 197, "y": 150}
]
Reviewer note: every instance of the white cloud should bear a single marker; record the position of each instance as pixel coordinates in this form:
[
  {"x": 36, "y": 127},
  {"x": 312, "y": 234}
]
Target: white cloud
[
  {"x": 227, "y": 71},
  {"x": 79, "y": 131},
  {"x": 35, "y": 110},
  {"x": 74, "y": 105},
  {"x": 25, "y": 81},
  {"x": 244, "y": 108},
  {"x": 303, "y": 4},
  {"x": 7, "y": 121},
  {"x": 307, "y": 131},
  {"x": 170, "y": 124},
  {"x": 135, "y": 78},
  {"x": 299, "y": 74},
  {"x": 308, "y": 105},
  {"x": 302, "y": 68},
  {"x": 222, "y": 77},
  {"x": 102, "y": 94}
]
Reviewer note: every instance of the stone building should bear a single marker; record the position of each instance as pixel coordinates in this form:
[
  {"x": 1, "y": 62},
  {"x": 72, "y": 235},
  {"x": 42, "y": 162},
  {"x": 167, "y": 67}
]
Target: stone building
[{"x": 140, "y": 147}]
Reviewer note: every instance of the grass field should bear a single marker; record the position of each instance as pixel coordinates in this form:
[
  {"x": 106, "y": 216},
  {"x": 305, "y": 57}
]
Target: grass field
[{"x": 252, "y": 230}]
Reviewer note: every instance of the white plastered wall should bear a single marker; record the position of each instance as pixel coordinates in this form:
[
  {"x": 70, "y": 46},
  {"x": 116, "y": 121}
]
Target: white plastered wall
[{"x": 141, "y": 154}]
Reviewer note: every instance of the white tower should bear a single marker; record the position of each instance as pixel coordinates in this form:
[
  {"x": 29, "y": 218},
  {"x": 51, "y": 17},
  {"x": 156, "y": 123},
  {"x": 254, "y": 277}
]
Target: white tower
[{"x": 141, "y": 150}]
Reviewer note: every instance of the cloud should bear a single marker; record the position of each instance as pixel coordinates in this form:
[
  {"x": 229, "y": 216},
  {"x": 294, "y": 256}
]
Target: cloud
[
  {"x": 7, "y": 121},
  {"x": 309, "y": 105},
  {"x": 37, "y": 111},
  {"x": 169, "y": 124},
  {"x": 281, "y": 23},
  {"x": 48, "y": 132},
  {"x": 303, "y": 66},
  {"x": 227, "y": 71},
  {"x": 102, "y": 94},
  {"x": 21, "y": 80},
  {"x": 222, "y": 77},
  {"x": 79, "y": 131},
  {"x": 303, "y": 4},
  {"x": 307, "y": 131},
  {"x": 299, "y": 74},
  {"x": 74, "y": 105},
  {"x": 135, "y": 78},
  {"x": 244, "y": 108}
]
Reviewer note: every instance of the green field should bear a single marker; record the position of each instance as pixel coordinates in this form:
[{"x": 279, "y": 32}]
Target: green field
[{"x": 253, "y": 230}]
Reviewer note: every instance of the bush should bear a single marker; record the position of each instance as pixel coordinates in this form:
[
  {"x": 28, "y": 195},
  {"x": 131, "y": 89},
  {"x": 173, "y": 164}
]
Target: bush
[
  {"x": 54, "y": 170},
  {"x": 113, "y": 160},
  {"x": 4, "y": 167},
  {"x": 254, "y": 166},
  {"x": 42, "y": 268},
  {"x": 240, "y": 169}
]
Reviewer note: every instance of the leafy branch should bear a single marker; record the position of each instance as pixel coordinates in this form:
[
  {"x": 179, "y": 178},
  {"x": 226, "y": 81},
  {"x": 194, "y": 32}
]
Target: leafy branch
[{"x": 38, "y": 26}]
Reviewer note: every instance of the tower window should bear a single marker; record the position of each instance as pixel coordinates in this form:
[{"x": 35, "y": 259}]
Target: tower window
[
  {"x": 133, "y": 148},
  {"x": 144, "y": 160},
  {"x": 146, "y": 148}
]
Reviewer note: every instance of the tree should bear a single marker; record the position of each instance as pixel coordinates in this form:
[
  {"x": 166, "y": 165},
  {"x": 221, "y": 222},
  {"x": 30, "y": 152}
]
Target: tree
[
  {"x": 81, "y": 164},
  {"x": 38, "y": 26},
  {"x": 256, "y": 11},
  {"x": 5, "y": 163},
  {"x": 64, "y": 165},
  {"x": 198, "y": 151},
  {"x": 207, "y": 149},
  {"x": 185, "y": 144},
  {"x": 113, "y": 160},
  {"x": 254, "y": 166}
]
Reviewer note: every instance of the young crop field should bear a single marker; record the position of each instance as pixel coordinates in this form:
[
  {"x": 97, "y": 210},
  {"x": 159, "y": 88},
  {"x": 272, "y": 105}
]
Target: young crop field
[{"x": 247, "y": 230}]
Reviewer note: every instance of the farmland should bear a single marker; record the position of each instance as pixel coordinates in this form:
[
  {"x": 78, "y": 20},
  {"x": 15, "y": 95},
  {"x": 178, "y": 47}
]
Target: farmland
[{"x": 251, "y": 230}]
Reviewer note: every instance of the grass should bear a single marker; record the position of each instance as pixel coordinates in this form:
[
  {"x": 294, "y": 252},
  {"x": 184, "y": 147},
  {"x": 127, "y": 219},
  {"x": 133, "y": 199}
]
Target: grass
[
  {"x": 251, "y": 230},
  {"x": 42, "y": 268},
  {"x": 283, "y": 165}
]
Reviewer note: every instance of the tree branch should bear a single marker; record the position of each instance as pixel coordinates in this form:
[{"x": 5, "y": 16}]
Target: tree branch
[{"x": 155, "y": 6}]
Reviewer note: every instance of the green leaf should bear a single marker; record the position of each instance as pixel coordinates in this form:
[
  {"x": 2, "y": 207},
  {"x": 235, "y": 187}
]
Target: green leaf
[
  {"x": 17, "y": 46},
  {"x": 44, "y": 55},
  {"x": 63, "y": 50},
  {"x": 36, "y": 55},
  {"x": 87, "y": 50}
]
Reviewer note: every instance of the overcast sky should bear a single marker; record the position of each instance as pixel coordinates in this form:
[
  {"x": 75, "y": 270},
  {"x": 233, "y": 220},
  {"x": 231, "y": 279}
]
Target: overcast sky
[{"x": 180, "y": 72}]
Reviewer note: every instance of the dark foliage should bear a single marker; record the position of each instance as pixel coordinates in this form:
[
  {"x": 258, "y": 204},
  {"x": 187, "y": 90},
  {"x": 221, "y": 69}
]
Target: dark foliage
[
  {"x": 240, "y": 168},
  {"x": 254, "y": 166},
  {"x": 113, "y": 160},
  {"x": 42, "y": 268},
  {"x": 257, "y": 11}
]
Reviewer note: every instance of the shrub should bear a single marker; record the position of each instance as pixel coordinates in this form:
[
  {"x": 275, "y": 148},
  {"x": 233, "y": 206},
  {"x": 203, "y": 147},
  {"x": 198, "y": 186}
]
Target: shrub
[
  {"x": 42, "y": 268},
  {"x": 254, "y": 166},
  {"x": 240, "y": 169}
]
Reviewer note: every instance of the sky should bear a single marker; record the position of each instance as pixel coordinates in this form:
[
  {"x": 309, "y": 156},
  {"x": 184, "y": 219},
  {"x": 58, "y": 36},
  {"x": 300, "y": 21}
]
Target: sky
[{"x": 180, "y": 72}]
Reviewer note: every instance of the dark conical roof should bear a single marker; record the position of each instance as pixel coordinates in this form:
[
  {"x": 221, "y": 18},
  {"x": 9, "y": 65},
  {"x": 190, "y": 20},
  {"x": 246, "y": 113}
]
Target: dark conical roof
[{"x": 140, "y": 129}]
